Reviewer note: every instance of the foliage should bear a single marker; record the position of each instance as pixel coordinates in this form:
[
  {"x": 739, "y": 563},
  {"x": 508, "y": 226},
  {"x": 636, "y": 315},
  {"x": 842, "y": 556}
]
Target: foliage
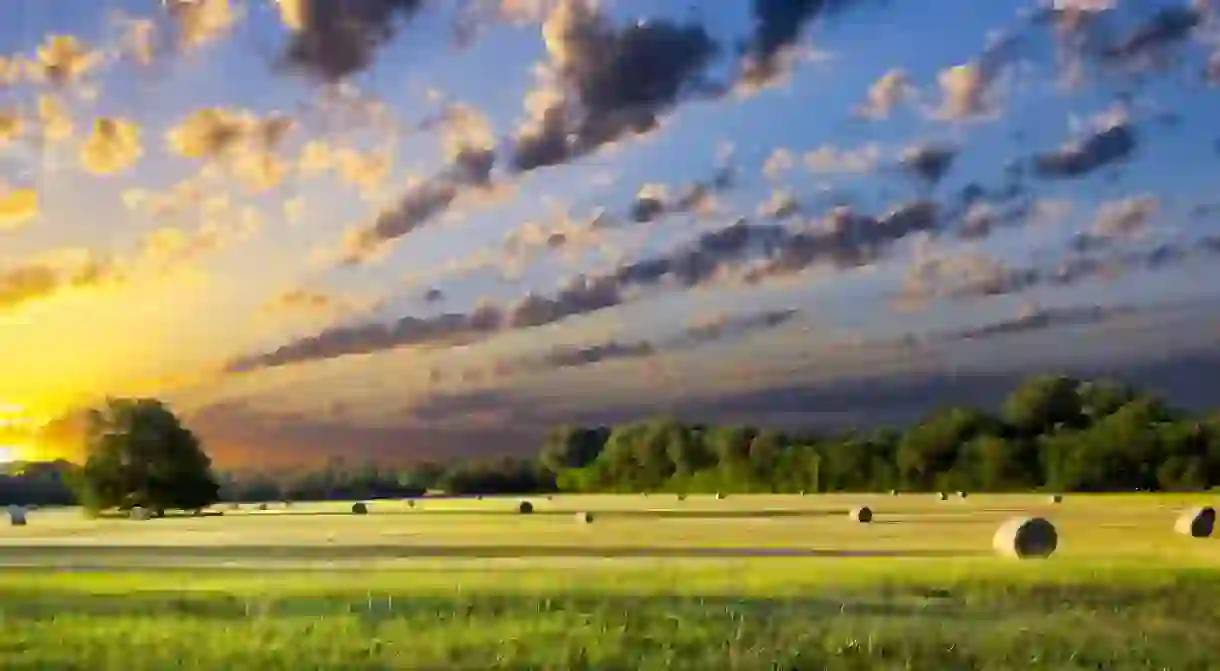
[
  {"x": 140, "y": 454},
  {"x": 1052, "y": 432}
]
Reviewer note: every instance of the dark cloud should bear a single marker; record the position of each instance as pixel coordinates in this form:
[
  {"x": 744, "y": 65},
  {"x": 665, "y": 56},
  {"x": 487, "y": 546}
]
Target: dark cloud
[
  {"x": 777, "y": 28},
  {"x": 1076, "y": 158},
  {"x": 1040, "y": 320},
  {"x": 652, "y": 204},
  {"x": 844, "y": 240},
  {"x": 848, "y": 240},
  {"x": 1169, "y": 25},
  {"x": 338, "y": 38},
  {"x": 929, "y": 162},
  {"x": 420, "y": 204},
  {"x": 611, "y": 82}
]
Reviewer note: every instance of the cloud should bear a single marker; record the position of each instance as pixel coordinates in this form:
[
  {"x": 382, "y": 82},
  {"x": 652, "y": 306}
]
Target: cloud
[
  {"x": 1120, "y": 220},
  {"x": 654, "y": 201},
  {"x": 604, "y": 82},
  {"x": 828, "y": 159},
  {"x": 965, "y": 275},
  {"x": 1111, "y": 142},
  {"x": 62, "y": 60},
  {"x": 112, "y": 146},
  {"x": 972, "y": 275},
  {"x": 1167, "y": 26},
  {"x": 559, "y": 357},
  {"x": 11, "y": 127},
  {"x": 884, "y": 95},
  {"x": 18, "y": 206},
  {"x": 239, "y": 142},
  {"x": 777, "y": 27},
  {"x": 334, "y": 39},
  {"x": 48, "y": 275},
  {"x": 468, "y": 143},
  {"x": 928, "y": 162},
  {"x": 843, "y": 240},
  {"x": 201, "y": 22}
]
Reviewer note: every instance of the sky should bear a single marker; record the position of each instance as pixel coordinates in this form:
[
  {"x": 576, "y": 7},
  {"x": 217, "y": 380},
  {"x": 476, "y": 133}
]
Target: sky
[{"x": 398, "y": 229}]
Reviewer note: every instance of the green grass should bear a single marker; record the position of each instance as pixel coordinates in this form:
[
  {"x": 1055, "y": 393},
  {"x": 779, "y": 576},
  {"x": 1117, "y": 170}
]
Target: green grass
[{"x": 465, "y": 584}]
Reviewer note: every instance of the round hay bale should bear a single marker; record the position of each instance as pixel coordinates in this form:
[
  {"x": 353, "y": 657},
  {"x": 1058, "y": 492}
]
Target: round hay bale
[
  {"x": 719, "y": 496},
  {"x": 139, "y": 514},
  {"x": 862, "y": 514},
  {"x": 802, "y": 492},
  {"x": 479, "y": 497},
  {"x": 1026, "y": 538},
  {"x": 262, "y": 506},
  {"x": 962, "y": 495},
  {"x": 550, "y": 498},
  {"x": 682, "y": 497},
  {"x": 1196, "y": 522},
  {"x": 1056, "y": 498},
  {"x": 943, "y": 496},
  {"x": 234, "y": 506},
  {"x": 287, "y": 504},
  {"x": 525, "y": 507},
  {"x": 16, "y": 515},
  {"x": 31, "y": 508},
  {"x": 360, "y": 508},
  {"x": 893, "y": 492},
  {"x": 410, "y": 503},
  {"x": 584, "y": 518}
]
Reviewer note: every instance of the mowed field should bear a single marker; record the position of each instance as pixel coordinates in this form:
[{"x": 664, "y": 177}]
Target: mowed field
[{"x": 748, "y": 582}]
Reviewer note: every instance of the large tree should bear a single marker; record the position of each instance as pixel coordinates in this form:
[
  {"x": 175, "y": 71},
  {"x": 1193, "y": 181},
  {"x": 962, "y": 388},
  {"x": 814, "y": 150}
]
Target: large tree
[{"x": 140, "y": 454}]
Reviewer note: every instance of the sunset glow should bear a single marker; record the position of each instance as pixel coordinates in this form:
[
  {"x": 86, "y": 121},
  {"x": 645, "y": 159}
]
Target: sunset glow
[{"x": 459, "y": 224}]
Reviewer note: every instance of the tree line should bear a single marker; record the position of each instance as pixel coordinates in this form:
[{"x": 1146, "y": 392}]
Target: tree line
[{"x": 1052, "y": 432}]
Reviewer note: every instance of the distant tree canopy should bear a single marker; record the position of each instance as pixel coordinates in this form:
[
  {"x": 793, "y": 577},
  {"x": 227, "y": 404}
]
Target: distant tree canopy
[
  {"x": 1052, "y": 432},
  {"x": 140, "y": 454}
]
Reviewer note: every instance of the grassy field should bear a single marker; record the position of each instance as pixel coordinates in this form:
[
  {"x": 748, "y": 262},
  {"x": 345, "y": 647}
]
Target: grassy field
[{"x": 749, "y": 582}]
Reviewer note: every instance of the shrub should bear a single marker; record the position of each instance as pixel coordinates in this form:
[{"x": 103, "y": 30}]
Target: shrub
[
  {"x": 360, "y": 508},
  {"x": 1026, "y": 538}
]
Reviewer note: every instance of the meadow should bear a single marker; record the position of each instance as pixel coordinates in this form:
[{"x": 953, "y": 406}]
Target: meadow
[{"x": 748, "y": 582}]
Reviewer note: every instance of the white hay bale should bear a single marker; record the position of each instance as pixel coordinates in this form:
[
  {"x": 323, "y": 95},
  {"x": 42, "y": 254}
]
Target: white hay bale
[
  {"x": 719, "y": 496},
  {"x": 584, "y": 518},
  {"x": 893, "y": 492},
  {"x": 1196, "y": 522},
  {"x": 962, "y": 495},
  {"x": 862, "y": 514},
  {"x": 1026, "y": 538},
  {"x": 360, "y": 508},
  {"x": 943, "y": 496},
  {"x": 525, "y": 507},
  {"x": 16, "y": 515},
  {"x": 140, "y": 514}
]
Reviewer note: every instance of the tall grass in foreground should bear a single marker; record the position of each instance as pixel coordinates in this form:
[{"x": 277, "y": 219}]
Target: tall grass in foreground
[{"x": 689, "y": 616}]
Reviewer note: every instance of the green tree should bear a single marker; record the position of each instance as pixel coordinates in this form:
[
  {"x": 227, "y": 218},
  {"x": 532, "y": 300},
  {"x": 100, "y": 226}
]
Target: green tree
[
  {"x": 140, "y": 454},
  {"x": 1042, "y": 403}
]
